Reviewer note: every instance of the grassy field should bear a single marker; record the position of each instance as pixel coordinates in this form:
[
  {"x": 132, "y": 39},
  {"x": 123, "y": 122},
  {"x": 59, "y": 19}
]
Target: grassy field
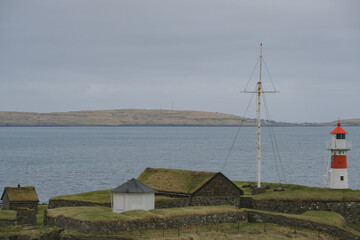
[
  {"x": 121, "y": 117},
  {"x": 7, "y": 214},
  {"x": 32, "y": 231},
  {"x": 292, "y": 193},
  {"x": 101, "y": 196},
  {"x": 174, "y": 180},
  {"x": 105, "y": 213},
  {"x": 295, "y": 192},
  {"x": 241, "y": 230},
  {"x": 226, "y": 230}
]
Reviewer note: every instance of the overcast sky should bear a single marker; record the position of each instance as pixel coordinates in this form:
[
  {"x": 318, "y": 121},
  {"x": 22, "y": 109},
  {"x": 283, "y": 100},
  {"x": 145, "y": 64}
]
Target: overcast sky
[{"x": 199, "y": 55}]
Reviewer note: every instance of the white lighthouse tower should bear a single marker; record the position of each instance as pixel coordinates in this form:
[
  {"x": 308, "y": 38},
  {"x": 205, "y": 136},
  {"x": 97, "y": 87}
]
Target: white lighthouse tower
[{"x": 338, "y": 146}]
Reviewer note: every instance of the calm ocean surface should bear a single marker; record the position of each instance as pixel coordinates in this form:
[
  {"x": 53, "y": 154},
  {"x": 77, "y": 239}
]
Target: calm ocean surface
[{"x": 66, "y": 160}]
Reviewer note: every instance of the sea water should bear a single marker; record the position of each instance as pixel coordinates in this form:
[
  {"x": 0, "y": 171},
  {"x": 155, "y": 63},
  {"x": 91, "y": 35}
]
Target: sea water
[{"x": 67, "y": 160}]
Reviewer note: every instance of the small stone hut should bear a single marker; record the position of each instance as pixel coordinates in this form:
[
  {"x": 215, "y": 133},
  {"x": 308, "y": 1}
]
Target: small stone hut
[
  {"x": 19, "y": 197},
  {"x": 186, "y": 183},
  {"x": 132, "y": 195}
]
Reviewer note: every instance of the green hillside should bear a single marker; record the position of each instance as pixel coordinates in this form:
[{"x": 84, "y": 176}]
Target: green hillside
[{"x": 122, "y": 117}]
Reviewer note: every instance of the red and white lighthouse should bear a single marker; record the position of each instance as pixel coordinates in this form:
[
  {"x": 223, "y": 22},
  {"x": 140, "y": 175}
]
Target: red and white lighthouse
[{"x": 338, "y": 146}]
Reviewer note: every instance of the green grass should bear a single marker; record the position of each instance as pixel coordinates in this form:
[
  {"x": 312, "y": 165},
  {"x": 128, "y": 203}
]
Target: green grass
[
  {"x": 292, "y": 193},
  {"x": 303, "y": 193},
  {"x": 32, "y": 231},
  {"x": 325, "y": 217},
  {"x": 105, "y": 213},
  {"x": 136, "y": 117},
  {"x": 174, "y": 180},
  {"x": 101, "y": 196},
  {"x": 7, "y": 214},
  {"x": 233, "y": 231}
]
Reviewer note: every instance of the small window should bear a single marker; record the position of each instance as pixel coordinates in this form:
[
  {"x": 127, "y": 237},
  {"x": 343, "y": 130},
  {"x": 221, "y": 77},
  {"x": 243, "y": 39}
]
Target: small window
[
  {"x": 340, "y": 136},
  {"x": 341, "y": 178}
]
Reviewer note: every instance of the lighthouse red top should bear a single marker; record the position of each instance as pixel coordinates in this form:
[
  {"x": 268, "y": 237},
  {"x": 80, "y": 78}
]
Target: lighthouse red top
[{"x": 338, "y": 130}]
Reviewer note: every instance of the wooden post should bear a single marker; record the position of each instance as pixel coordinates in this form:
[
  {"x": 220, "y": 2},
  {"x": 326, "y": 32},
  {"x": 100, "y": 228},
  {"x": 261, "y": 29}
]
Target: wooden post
[
  {"x": 238, "y": 225},
  {"x": 264, "y": 227},
  {"x": 163, "y": 232},
  {"x": 196, "y": 229}
]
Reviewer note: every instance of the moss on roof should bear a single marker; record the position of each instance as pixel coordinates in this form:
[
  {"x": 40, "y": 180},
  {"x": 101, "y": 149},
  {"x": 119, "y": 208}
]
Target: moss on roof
[
  {"x": 174, "y": 180},
  {"x": 21, "y": 194}
]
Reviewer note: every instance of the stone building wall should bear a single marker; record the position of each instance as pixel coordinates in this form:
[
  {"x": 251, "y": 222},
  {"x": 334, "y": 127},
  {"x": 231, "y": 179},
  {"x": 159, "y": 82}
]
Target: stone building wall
[
  {"x": 5, "y": 202},
  {"x": 197, "y": 201},
  {"x": 219, "y": 185},
  {"x": 17, "y": 205},
  {"x": 26, "y": 216}
]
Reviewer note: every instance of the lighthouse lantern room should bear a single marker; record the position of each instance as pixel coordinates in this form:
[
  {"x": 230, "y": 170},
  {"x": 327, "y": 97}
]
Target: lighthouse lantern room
[{"x": 337, "y": 175}]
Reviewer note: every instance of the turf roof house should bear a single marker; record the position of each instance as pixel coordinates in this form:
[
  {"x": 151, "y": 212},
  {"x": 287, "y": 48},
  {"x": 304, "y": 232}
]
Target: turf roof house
[
  {"x": 132, "y": 195},
  {"x": 19, "y": 197},
  {"x": 185, "y": 183}
]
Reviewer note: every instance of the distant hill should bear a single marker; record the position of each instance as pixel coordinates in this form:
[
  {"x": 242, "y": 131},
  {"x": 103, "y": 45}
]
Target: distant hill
[
  {"x": 125, "y": 117},
  {"x": 345, "y": 122}
]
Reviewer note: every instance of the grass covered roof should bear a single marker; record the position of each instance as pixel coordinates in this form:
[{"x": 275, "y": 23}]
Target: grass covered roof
[
  {"x": 21, "y": 194},
  {"x": 174, "y": 180}
]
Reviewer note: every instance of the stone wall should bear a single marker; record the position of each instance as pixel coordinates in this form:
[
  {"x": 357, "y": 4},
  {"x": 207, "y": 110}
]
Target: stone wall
[
  {"x": 300, "y": 223},
  {"x": 5, "y": 202},
  {"x": 17, "y": 205},
  {"x": 25, "y": 216},
  {"x": 162, "y": 203},
  {"x": 197, "y": 201},
  {"x": 107, "y": 227},
  {"x": 4, "y": 223},
  {"x": 349, "y": 210}
]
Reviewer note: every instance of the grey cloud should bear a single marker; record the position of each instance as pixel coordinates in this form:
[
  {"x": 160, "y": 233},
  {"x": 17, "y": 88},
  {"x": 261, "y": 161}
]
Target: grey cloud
[{"x": 73, "y": 55}]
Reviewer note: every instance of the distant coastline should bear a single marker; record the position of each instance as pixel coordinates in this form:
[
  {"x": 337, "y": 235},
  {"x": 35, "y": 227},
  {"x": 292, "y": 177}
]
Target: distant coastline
[{"x": 141, "y": 117}]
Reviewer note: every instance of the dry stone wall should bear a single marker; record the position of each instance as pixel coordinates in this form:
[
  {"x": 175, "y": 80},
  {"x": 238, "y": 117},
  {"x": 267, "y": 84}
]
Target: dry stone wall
[
  {"x": 25, "y": 216},
  {"x": 299, "y": 223},
  {"x": 107, "y": 227},
  {"x": 4, "y": 223},
  {"x": 349, "y": 210},
  {"x": 197, "y": 201}
]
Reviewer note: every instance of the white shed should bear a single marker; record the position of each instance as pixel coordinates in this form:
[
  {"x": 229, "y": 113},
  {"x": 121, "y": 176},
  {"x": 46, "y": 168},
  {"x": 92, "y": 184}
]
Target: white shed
[{"x": 132, "y": 195}]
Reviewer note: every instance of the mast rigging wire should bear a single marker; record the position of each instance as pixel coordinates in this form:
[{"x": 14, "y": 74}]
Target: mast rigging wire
[
  {"x": 274, "y": 143},
  {"x": 237, "y": 133}
]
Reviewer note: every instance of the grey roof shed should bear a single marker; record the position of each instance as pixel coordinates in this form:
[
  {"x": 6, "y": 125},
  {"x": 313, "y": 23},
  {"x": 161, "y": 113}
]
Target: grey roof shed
[{"x": 133, "y": 186}]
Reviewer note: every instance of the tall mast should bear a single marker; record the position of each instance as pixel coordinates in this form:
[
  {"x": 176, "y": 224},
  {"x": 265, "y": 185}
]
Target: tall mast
[
  {"x": 259, "y": 91},
  {"x": 259, "y": 123}
]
